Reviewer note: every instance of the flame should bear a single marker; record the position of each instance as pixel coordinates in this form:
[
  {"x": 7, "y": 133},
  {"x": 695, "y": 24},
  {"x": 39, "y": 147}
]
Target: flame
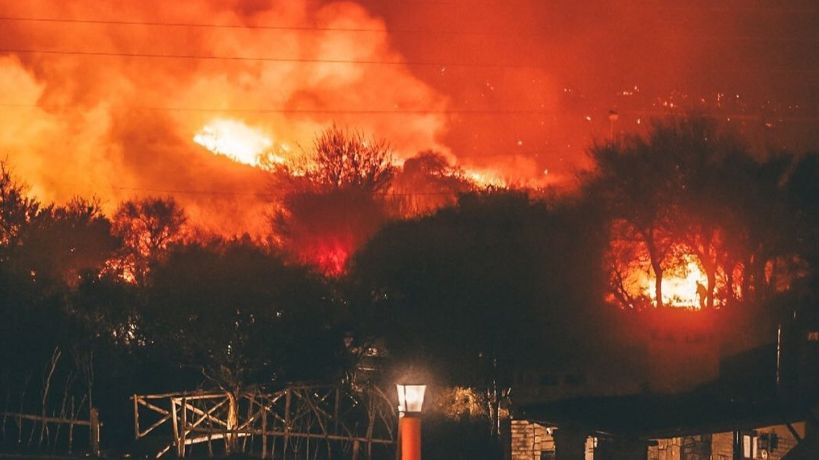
[
  {"x": 235, "y": 140},
  {"x": 484, "y": 178},
  {"x": 680, "y": 291},
  {"x": 120, "y": 268},
  {"x": 331, "y": 258}
]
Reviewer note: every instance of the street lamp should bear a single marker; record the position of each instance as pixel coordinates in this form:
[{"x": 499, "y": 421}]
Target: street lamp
[{"x": 410, "y": 402}]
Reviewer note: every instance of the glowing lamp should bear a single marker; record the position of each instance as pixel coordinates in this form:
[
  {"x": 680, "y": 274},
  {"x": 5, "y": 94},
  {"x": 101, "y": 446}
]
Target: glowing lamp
[
  {"x": 410, "y": 402},
  {"x": 410, "y": 398}
]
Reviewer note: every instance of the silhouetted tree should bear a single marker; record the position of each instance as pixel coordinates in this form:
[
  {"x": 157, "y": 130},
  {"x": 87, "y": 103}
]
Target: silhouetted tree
[
  {"x": 241, "y": 317},
  {"x": 426, "y": 183},
  {"x": 147, "y": 227},
  {"x": 634, "y": 179},
  {"x": 345, "y": 159},
  {"x": 699, "y": 150},
  {"x": 338, "y": 204},
  {"x": 16, "y": 210},
  {"x": 691, "y": 187},
  {"x": 471, "y": 291},
  {"x": 65, "y": 242}
]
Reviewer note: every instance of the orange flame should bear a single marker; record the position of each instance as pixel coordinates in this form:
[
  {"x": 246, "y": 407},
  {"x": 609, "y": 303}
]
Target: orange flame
[
  {"x": 235, "y": 140},
  {"x": 683, "y": 288},
  {"x": 485, "y": 178}
]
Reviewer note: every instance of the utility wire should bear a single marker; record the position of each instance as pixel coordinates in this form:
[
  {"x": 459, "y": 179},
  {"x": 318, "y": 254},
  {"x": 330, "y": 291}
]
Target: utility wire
[
  {"x": 479, "y": 112},
  {"x": 321, "y": 29},
  {"x": 313, "y": 111},
  {"x": 444, "y": 65},
  {"x": 263, "y": 59}
]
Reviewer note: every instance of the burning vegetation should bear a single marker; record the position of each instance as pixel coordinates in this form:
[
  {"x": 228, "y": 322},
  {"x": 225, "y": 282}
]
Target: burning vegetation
[
  {"x": 331, "y": 199},
  {"x": 687, "y": 227},
  {"x": 276, "y": 186},
  {"x": 683, "y": 217}
]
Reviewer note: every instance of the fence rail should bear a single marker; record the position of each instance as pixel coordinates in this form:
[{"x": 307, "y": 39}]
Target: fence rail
[
  {"x": 297, "y": 421},
  {"x": 93, "y": 424}
]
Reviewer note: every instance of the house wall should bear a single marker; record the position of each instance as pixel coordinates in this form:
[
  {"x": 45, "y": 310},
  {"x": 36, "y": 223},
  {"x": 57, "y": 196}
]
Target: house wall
[
  {"x": 682, "y": 448},
  {"x": 666, "y": 449},
  {"x": 530, "y": 441},
  {"x": 785, "y": 440},
  {"x": 721, "y": 444}
]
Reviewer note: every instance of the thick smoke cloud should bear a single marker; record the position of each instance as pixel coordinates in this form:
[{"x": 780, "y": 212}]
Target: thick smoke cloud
[{"x": 119, "y": 126}]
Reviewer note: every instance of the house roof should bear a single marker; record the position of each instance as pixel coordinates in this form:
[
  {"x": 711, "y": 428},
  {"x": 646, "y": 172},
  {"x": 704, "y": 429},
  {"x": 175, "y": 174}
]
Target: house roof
[{"x": 651, "y": 416}]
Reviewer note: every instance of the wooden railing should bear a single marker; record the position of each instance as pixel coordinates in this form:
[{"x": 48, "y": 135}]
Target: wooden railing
[
  {"x": 303, "y": 421},
  {"x": 43, "y": 422}
]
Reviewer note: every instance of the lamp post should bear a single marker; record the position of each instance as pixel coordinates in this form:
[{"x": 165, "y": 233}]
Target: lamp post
[{"x": 410, "y": 402}]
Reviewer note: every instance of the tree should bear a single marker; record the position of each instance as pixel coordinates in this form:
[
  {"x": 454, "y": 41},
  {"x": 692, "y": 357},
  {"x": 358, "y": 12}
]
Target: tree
[
  {"x": 470, "y": 291},
  {"x": 241, "y": 317},
  {"x": 634, "y": 182},
  {"x": 345, "y": 159},
  {"x": 691, "y": 188},
  {"x": 16, "y": 210},
  {"x": 339, "y": 203},
  {"x": 801, "y": 191},
  {"x": 699, "y": 150},
  {"x": 426, "y": 183},
  {"x": 147, "y": 228},
  {"x": 64, "y": 243}
]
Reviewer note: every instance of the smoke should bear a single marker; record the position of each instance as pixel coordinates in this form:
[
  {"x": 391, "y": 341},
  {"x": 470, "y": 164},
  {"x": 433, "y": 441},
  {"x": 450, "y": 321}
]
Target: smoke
[
  {"x": 566, "y": 64},
  {"x": 526, "y": 86},
  {"x": 116, "y": 127}
]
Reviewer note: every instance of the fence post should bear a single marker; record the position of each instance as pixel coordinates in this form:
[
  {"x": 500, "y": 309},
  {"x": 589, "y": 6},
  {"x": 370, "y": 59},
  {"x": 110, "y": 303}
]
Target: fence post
[
  {"x": 264, "y": 429},
  {"x": 183, "y": 434},
  {"x": 94, "y": 430},
  {"x": 356, "y": 449},
  {"x": 175, "y": 427},
  {"x": 136, "y": 417},
  {"x": 287, "y": 401}
]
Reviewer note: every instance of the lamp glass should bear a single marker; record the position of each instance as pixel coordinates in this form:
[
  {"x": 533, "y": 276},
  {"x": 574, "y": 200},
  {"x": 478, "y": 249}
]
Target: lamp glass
[{"x": 410, "y": 397}]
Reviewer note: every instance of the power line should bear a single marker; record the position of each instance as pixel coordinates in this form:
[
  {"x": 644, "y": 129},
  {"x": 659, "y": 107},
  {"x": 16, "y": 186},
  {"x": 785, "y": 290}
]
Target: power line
[
  {"x": 319, "y": 29},
  {"x": 263, "y": 59},
  {"x": 121, "y": 54},
  {"x": 313, "y": 111},
  {"x": 195, "y": 25},
  {"x": 485, "y": 112}
]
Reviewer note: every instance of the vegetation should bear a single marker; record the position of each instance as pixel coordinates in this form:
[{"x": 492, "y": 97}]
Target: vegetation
[{"x": 96, "y": 308}]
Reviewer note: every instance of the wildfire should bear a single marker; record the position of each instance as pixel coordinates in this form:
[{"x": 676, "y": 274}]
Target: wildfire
[
  {"x": 681, "y": 288},
  {"x": 331, "y": 258},
  {"x": 484, "y": 179},
  {"x": 235, "y": 140}
]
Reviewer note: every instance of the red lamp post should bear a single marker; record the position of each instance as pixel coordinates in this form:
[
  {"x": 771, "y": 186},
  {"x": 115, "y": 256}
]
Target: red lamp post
[{"x": 410, "y": 402}]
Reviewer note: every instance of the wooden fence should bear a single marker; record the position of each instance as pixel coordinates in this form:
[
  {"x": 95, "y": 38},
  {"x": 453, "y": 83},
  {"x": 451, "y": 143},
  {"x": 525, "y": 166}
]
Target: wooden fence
[
  {"x": 42, "y": 423},
  {"x": 308, "y": 422}
]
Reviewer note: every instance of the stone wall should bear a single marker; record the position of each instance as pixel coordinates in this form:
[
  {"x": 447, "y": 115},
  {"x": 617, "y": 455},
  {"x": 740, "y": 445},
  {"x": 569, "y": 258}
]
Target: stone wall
[
  {"x": 721, "y": 444},
  {"x": 531, "y": 441},
  {"x": 665, "y": 449}
]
